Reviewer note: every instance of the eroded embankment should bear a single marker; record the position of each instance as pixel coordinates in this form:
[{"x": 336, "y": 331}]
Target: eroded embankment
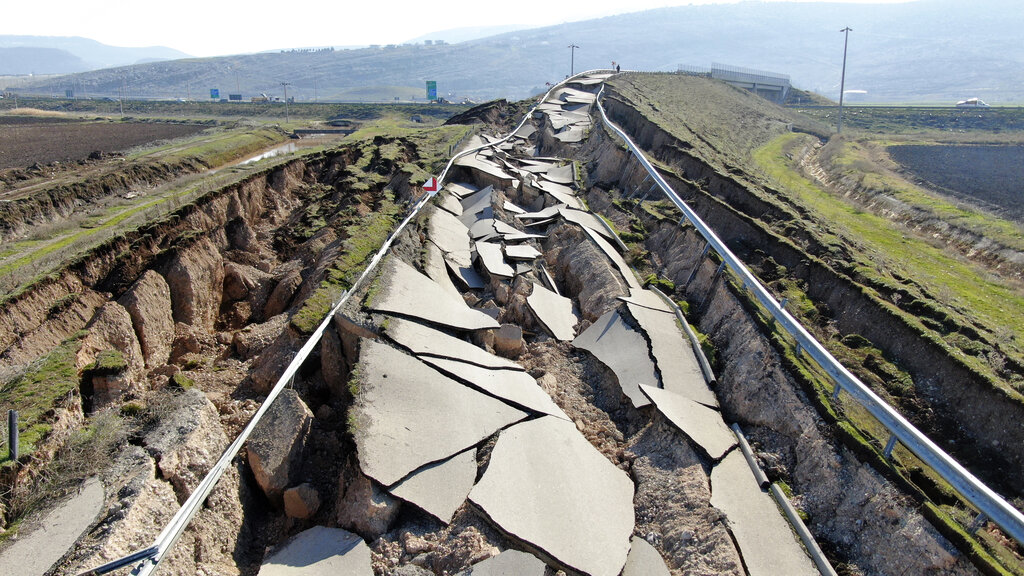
[
  {"x": 864, "y": 521},
  {"x": 971, "y": 416},
  {"x": 170, "y": 335}
]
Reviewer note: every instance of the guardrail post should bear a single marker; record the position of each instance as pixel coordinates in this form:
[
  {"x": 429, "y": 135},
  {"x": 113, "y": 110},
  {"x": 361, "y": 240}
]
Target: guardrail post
[
  {"x": 696, "y": 267},
  {"x": 978, "y": 522},
  {"x": 836, "y": 391},
  {"x": 714, "y": 282},
  {"x": 12, "y": 434},
  {"x": 889, "y": 446}
]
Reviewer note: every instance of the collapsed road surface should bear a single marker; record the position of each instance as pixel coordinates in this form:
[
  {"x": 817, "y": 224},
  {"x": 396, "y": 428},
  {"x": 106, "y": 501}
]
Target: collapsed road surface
[
  {"x": 507, "y": 397},
  {"x": 491, "y": 392}
]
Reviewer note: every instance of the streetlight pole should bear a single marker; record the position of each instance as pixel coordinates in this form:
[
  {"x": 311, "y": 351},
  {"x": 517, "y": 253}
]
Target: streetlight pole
[
  {"x": 572, "y": 59},
  {"x": 287, "y": 118},
  {"x": 842, "y": 79}
]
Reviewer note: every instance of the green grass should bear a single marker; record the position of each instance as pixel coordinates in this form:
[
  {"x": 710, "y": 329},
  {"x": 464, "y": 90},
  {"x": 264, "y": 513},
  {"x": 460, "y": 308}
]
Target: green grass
[
  {"x": 45, "y": 385},
  {"x": 362, "y": 241},
  {"x": 886, "y": 255}
]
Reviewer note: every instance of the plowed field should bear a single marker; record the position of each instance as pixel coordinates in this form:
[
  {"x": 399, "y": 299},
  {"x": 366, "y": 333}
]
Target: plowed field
[{"x": 27, "y": 141}]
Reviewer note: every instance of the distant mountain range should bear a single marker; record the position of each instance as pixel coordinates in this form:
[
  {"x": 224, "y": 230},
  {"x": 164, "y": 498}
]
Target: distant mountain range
[
  {"x": 62, "y": 55},
  {"x": 937, "y": 51}
]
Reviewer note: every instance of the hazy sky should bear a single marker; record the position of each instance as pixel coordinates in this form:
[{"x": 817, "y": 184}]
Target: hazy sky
[{"x": 216, "y": 27}]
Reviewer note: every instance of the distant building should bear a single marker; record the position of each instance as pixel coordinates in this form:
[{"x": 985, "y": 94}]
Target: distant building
[{"x": 972, "y": 103}]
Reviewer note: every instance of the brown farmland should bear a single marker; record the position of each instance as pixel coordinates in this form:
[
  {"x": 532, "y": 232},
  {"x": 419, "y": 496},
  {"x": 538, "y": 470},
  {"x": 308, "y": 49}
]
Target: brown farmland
[{"x": 27, "y": 141}]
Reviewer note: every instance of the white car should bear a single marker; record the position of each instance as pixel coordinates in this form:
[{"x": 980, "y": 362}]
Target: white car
[{"x": 972, "y": 103}]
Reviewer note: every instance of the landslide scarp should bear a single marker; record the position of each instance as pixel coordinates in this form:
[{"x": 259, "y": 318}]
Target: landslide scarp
[{"x": 176, "y": 330}]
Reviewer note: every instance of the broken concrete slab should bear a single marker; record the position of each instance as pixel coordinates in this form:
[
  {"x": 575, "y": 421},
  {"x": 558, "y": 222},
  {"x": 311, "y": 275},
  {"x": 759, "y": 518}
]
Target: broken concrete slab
[
  {"x": 451, "y": 236},
  {"x": 765, "y": 539},
  {"x": 437, "y": 270},
  {"x": 493, "y": 260},
  {"x": 422, "y": 340},
  {"x": 647, "y": 299},
  {"x": 467, "y": 276},
  {"x": 561, "y": 174},
  {"x": 644, "y": 560},
  {"x": 522, "y": 252},
  {"x": 450, "y": 203},
  {"x": 489, "y": 168},
  {"x": 561, "y": 194},
  {"x": 701, "y": 424},
  {"x": 548, "y": 486},
  {"x": 624, "y": 351},
  {"x": 673, "y": 354},
  {"x": 572, "y": 135},
  {"x": 404, "y": 290},
  {"x": 482, "y": 228},
  {"x": 508, "y": 563},
  {"x": 544, "y": 214},
  {"x": 407, "y": 414},
  {"x": 526, "y": 130},
  {"x": 553, "y": 311},
  {"x": 320, "y": 551},
  {"x": 616, "y": 258},
  {"x": 514, "y": 386},
  {"x": 510, "y": 207},
  {"x": 461, "y": 189},
  {"x": 476, "y": 203},
  {"x": 439, "y": 489},
  {"x": 588, "y": 220}
]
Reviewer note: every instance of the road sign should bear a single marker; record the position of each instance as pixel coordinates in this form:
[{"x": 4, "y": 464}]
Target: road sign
[
  {"x": 431, "y": 89},
  {"x": 430, "y": 186},
  {"x": 214, "y": 93}
]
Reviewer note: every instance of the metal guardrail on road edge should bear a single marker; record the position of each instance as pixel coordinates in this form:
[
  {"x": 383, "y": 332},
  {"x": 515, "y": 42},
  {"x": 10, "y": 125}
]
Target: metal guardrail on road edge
[{"x": 988, "y": 502}]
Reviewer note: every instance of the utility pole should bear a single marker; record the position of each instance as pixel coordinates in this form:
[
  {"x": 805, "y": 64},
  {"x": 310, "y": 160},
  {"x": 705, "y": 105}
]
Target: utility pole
[
  {"x": 572, "y": 59},
  {"x": 287, "y": 118},
  {"x": 842, "y": 79}
]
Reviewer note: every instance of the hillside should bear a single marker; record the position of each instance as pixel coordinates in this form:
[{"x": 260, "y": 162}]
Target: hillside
[
  {"x": 20, "y": 55},
  {"x": 925, "y": 51}
]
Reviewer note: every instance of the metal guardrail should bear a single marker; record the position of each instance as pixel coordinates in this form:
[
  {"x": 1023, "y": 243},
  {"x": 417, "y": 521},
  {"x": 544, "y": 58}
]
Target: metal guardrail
[
  {"x": 989, "y": 503},
  {"x": 149, "y": 558}
]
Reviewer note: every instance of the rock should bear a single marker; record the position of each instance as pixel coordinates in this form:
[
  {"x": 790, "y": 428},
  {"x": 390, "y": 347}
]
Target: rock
[
  {"x": 268, "y": 367},
  {"x": 185, "y": 341},
  {"x": 411, "y": 570},
  {"x": 365, "y": 508},
  {"x": 241, "y": 236},
  {"x": 148, "y": 301},
  {"x": 283, "y": 292},
  {"x": 238, "y": 281},
  {"x": 187, "y": 442},
  {"x": 114, "y": 352},
  {"x": 508, "y": 341},
  {"x": 195, "y": 276},
  {"x": 277, "y": 443},
  {"x": 254, "y": 339},
  {"x": 333, "y": 365},
  {"x": 301, "y": 501}
]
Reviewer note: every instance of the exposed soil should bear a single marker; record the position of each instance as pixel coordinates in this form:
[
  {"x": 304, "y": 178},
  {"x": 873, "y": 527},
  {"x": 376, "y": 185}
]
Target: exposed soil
[
  {"x": 989, "y": 175},
  {"x": 24, "y": 143}
]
